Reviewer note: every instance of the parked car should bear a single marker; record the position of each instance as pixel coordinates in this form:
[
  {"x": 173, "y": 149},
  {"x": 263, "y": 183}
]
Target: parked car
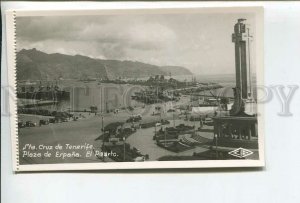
[
  {"x": 171, "y": 110},
  {"x": 158, "y": 124},
  {"x": 192, "y": 118},
  {"x": 44, "y": 122},
  {"x": 21, "y": 124},
  {"x": 64, "y": 119},
  {"x": 134, "y": 118},
  {"x": 51, "y": 120},
  {"x": 208, "y": 121},
  {"x": 139, "y": 159},
  {"x": 30, "y": 124},
  {"x": 182, "y": 127}
]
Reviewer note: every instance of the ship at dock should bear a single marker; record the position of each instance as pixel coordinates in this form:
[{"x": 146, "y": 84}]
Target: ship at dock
[{"x": 50, "y": 91}]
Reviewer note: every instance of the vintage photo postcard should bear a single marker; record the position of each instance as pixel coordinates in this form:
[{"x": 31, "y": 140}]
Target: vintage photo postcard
[{"x": 136, "y": 89}]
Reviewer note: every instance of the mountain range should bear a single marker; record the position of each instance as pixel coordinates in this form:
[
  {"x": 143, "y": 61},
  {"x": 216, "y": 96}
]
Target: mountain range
[{"x": 33, "y": 64}]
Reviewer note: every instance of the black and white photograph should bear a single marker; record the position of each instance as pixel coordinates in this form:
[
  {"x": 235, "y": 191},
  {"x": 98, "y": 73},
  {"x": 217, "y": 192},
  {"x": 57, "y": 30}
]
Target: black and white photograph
[
  {"x": 150, "y": 101},
  {"x": 147, "y": 88}
]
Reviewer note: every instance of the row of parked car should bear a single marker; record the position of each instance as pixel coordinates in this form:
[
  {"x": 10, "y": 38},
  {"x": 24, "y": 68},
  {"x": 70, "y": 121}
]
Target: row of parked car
[
  {"x": 134, "y": 118},
  {"x": 22, "y": 124}
]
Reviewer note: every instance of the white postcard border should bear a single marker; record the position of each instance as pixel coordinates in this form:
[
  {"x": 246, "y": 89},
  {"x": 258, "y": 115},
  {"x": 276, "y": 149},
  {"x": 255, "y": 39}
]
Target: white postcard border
[{"x": 11, "y": 62}]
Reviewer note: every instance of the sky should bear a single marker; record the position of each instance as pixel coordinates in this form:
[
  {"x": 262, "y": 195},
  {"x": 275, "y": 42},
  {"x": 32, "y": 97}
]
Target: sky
[{"x": 199, "y": 42}]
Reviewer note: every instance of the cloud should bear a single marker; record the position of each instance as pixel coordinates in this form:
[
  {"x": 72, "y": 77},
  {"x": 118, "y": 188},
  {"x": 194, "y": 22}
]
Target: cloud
[
  {"x": 200, "y": 42},
  {"x": 42, "y": 28}
]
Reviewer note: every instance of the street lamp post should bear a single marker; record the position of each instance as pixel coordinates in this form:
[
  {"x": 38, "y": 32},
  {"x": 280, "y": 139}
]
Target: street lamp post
[
  {"x": 103, "y": 135},
  {"x": 194, "y": 125},
  {"x": 173, "y": 110},
  {"x": 124, "y": 138},
  {"x": 165, "y": 136},
  {"x": 216, "y": 143},
  {"x": 173, "y": 120}
]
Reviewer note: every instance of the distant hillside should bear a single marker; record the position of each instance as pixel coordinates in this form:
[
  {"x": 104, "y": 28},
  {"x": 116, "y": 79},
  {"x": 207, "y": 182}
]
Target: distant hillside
[{"x": 36, "y": 65}]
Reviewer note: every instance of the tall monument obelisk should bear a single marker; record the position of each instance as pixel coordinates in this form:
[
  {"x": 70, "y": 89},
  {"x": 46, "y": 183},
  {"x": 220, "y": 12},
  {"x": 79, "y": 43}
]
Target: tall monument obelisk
[{"x": 243, "y": 92}]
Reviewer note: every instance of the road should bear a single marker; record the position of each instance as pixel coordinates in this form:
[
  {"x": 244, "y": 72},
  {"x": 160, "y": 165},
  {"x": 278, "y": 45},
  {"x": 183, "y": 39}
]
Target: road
[
  {"x": 143, "y": 140},
  {"x": 88, "y": 129}
]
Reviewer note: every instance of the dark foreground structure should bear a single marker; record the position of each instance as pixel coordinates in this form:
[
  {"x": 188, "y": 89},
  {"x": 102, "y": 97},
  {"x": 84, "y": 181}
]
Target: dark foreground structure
[{"x": 239, "y": 130}]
